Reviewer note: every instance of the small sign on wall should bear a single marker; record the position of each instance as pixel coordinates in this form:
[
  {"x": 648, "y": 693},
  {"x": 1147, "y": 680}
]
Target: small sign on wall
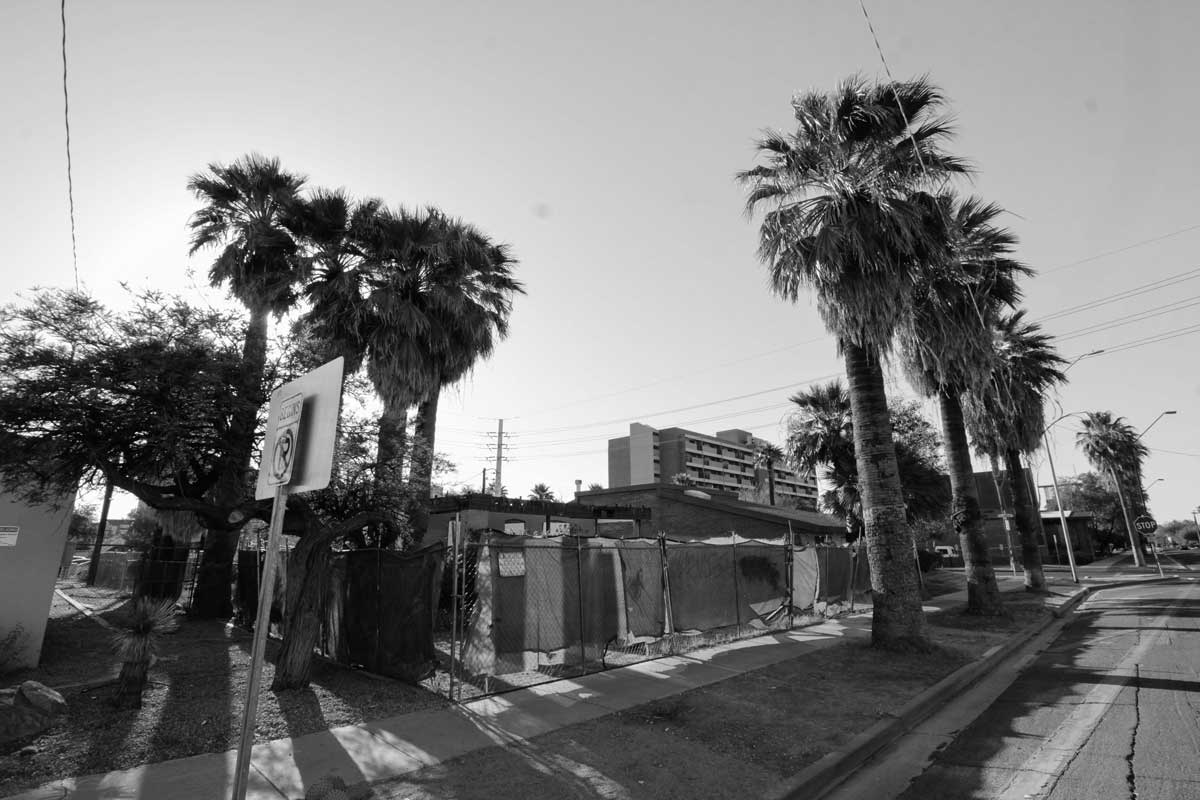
[
  {"x": 8, "y": 535},
  {"x": 512, "y": 563}
]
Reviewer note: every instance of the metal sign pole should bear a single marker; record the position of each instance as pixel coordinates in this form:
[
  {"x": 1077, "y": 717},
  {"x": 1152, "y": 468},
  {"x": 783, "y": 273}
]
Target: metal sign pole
[{"x": 262, "y": 621}]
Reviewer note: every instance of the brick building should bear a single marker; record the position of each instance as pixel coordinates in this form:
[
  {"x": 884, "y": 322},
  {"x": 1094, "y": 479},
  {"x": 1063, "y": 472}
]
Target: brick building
[{"x": 691, "y": 514}]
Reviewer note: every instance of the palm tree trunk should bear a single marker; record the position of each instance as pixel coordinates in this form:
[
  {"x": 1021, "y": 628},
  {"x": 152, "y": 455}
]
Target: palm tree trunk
[
  {"x": 898, "y": 621},
  {"x": 393, "y": 425},
  {"x": 983, "y": 594},
  {"x": 1031, "y": 554},
  {"x": 421, "y": 478},
  {"x": 213, "y": 599}
]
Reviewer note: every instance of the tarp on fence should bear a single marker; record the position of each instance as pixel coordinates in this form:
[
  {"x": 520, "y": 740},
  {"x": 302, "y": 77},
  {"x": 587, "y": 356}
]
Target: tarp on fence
[
  {"x": 804, "y": 576},
  {"x": 761, "y": 579},
  {"x": 389, "y": 604},
  {"x": 641, "y": 564},
  {"x": 703, "y": 591}
]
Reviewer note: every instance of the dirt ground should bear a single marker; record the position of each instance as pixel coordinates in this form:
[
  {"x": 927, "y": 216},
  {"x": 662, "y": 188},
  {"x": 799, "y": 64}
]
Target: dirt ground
[
  {"x": 195, "y": 688},
  {"x": 734, "y": 739}
]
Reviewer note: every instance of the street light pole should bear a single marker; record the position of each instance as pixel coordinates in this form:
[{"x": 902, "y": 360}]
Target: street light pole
[
  {"x": 1062, "y": 515},
  {"x": 1139, "y": 558}
]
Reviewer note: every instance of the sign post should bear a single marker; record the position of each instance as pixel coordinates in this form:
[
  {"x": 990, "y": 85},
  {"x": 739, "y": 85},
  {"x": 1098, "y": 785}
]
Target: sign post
[
  {"x": 295, "y": 458},
  {"x": 1146, "y": 525}
]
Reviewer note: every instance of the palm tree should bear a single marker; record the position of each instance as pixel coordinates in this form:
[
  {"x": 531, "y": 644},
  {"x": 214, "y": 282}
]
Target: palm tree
[
  {"x": 1112, "y": 447},
  {"x": 594, "y": 487},
  {"x": 1006, "y": 419},
  {"x": 948, "y": 350},
  {"x": 476, "y": 275},
  {"x": 437, "y": 294},
  {"x": 821, "y": 441},
  {"x": 541, "y": 492},
  {"x": 244, "y": 207},
  {"x": 845, "y": 217},
  {"x": 765, "y": 458}
]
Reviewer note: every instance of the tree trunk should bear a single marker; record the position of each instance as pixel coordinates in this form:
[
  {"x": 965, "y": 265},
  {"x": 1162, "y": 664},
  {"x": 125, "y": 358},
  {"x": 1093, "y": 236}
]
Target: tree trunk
[
  {"x": 771, "y": 482},
  {"x": 1031, "y": 553},
  {"x": 421, "y": 476},
  {"x": 898, "y": 621},
  {"x": 213, "y": 598},
  {"x": 98, "y": 547},
  {"x": 393, "y": 425},
  {"x": 983, "y": 594},
  {"x": 307, "y": 588}
]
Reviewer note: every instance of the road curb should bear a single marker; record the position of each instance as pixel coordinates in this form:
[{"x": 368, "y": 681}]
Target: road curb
[{"x": 827, "y": 773}]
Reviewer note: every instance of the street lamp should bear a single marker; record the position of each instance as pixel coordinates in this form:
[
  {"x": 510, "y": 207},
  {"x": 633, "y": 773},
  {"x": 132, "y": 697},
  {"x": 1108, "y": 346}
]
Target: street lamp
[
  {"x": 1151, "y": 425},
  {"x": 1062, "y": 515}
]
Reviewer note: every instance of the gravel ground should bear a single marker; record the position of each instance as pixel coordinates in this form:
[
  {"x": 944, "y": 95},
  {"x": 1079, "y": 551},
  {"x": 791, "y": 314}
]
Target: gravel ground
[{"x": 191, "y": 706}]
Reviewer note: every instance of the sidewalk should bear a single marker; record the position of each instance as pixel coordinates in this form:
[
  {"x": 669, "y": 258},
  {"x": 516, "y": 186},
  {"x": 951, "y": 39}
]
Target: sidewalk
[{"x": 394, "y": 747}]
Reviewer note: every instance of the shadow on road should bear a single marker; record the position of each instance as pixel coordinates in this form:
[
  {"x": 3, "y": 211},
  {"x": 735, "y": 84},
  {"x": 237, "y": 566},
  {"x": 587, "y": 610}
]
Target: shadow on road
[{"x": 985, "y": 756}]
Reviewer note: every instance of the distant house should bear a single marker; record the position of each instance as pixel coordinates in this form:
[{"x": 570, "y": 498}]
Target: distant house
[{"x": 999, "y": 527}]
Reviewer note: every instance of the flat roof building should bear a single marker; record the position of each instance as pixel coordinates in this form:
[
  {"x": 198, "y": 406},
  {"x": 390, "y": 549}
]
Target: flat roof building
[{"x": 724, "y": 462}]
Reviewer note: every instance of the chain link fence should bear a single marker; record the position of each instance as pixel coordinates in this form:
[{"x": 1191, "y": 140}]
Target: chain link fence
[
  {"x": 520, "y": 610},
  {"x": 166, "y": 571}
]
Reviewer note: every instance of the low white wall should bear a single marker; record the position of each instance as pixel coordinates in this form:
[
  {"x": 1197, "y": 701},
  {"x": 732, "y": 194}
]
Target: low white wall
[{"x": 28, "y": 569}]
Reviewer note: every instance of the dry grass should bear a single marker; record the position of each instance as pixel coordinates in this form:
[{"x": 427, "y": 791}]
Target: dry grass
[
  {"x": 736, "y": 738},
  {"x": 192, "y": 704}
]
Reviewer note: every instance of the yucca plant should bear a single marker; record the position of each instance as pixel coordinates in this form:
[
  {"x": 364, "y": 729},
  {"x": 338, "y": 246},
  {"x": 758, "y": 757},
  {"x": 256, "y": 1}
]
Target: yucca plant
[{"x": 136, "y": 642}]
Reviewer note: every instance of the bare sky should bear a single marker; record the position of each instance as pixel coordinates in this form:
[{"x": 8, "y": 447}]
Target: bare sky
[{"x": 600, "y": 140}]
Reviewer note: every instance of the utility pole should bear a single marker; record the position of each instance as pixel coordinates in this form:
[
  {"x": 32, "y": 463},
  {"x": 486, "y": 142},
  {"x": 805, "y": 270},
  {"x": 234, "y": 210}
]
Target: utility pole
[
  {"x": 483, "y": 483},
  {"x": 499, "y": 456}
]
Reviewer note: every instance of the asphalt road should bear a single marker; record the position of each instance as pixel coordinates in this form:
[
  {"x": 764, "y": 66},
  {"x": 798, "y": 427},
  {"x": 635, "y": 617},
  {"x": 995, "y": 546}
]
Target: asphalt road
[{"x": 1108, "y": 710}]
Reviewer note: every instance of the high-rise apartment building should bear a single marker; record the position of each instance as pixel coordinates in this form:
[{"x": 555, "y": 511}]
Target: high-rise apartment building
[{"x": 723, "y": 462}]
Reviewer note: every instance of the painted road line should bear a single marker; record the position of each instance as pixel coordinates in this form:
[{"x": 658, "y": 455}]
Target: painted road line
[{"x": 1041, "y": 771}]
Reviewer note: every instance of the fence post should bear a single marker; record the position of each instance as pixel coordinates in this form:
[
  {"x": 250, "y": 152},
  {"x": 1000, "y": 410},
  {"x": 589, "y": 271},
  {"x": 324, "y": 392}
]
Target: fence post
[
  {"x": 668, "y": 613},
  {"x": 453, "y": 534},
  {"x": 789, "y": 564},
  {"x": 579, "y": 572},
  {"x": 737, "y": 588}
]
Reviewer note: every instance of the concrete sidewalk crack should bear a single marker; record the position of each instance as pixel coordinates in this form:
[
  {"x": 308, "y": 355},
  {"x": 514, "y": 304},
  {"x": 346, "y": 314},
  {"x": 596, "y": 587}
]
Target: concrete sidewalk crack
[{"x": 1130, "y": 778}]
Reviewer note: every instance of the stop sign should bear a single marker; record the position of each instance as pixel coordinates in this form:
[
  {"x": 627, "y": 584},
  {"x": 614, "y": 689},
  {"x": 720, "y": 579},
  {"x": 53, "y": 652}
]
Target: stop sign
[{"x": 1145, "y": 524}]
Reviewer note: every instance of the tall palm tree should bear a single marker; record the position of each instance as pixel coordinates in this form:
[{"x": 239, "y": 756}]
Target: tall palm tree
[
  {"x": 1112, "y": 447},
  {"x": 766, "y": 456},
  {"x": 845, "y": 217},
  {"x": 948, "y": 350},
  {"x": 244, "y": 207},
  {"x": 476, "y": 275},
  {"x": 417, "y": 295},
  {"x": 541, "y": 491},
  {"x": 1006, "y": 419}
]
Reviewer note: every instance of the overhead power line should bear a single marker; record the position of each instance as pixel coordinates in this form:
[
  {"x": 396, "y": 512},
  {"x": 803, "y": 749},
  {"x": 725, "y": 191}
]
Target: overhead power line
[
  {"x": 1124, "y": 249},
  {"x": 1129, "y": 319},
  {"x": 1141, "y": 289},
  {"x": 67, "y": 124}
]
